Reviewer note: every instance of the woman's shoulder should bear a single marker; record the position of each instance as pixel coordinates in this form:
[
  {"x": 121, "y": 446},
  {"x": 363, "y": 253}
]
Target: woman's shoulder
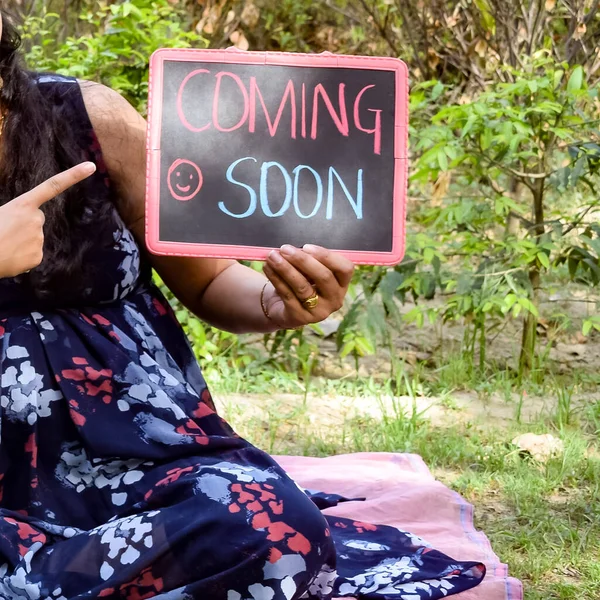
[
  {"x": 111, "y": 114},
  {"x": 98, "y": 96}
]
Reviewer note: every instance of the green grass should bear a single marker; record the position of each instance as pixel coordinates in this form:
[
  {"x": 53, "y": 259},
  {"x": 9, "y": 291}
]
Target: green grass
[{"x": 543, "y": 520}]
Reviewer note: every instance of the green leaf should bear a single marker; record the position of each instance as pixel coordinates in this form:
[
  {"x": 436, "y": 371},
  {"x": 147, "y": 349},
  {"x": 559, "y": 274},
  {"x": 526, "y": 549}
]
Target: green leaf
[
  {"x": 347, "y": 349},
  {"x": 486, "y": 138},
  {"x": 558, "y": 75},
  {"x": 528, "y": 306},
  {"x": 415, "y": 316},
  {"x": 576, "y": 79},
  {"x": 464, "y": 283},
  {"x": 437, "y": 91},
  {"x": 364, "y": 346},
  {"x": 587, "y": 327},
  {"x": 442, "y": 159},
  {"x": 578, "y": 169},
  {"x": 544, "y": 260},
  {"x": 509, "y": 301},
  {"x": 487, "y": 18},
  {"x": 468, "y": 125},
  {"x": 451, "y": 152}
]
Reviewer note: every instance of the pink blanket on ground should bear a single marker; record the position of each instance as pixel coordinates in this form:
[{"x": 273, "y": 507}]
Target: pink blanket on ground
[{"x": 400, "y": 491}]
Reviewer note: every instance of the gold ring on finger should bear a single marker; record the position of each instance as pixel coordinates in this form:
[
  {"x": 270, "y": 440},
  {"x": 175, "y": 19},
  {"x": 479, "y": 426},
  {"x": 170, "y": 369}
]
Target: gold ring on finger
[{"x": 311, "y": 303}]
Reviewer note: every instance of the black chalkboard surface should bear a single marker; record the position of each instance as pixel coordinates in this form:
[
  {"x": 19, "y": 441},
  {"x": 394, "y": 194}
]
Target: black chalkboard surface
[{"x": 249, "y": 151}]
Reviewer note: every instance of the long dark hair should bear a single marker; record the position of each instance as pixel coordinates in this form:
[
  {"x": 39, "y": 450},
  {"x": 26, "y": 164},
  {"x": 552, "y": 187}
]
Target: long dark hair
[{"x": 37, "y": 142}]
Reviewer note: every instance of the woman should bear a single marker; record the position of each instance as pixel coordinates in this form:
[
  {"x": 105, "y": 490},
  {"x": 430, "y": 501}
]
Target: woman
[{"x": 118, "y": 479}]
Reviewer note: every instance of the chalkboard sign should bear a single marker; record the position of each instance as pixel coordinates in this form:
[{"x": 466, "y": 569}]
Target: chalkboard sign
[{"x": 251, "y": 150}]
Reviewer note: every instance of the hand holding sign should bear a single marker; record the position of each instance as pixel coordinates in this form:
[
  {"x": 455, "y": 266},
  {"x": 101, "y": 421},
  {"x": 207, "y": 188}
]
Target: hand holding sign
[
  {"x": 22, "y": 221},
  {"x": 297, "y": 275}
]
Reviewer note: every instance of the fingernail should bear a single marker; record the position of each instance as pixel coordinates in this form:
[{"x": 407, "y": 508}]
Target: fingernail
[
  {"x": 90, "y": 167},
  {"x": 288, "y": 250},
  {"x": 275, "y": 256},
  {"x": 310, "y": 248}
]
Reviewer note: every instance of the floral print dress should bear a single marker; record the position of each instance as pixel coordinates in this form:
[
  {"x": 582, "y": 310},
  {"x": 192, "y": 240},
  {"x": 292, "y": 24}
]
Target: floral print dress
[{"x": 119, "y": 480}]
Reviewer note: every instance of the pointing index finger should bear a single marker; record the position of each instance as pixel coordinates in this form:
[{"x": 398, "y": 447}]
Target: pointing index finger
[{"x": 57, "y": 184}]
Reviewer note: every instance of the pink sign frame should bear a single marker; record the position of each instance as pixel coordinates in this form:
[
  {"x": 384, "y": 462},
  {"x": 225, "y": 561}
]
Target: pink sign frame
[{"x": 234, "y": 56}]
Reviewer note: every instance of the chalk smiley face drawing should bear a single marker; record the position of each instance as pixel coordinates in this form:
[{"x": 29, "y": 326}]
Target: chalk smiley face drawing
[{"x": 184, "y": 179}]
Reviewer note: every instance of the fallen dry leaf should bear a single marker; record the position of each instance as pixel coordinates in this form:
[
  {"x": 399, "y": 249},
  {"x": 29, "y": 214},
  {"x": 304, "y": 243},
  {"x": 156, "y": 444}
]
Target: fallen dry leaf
[
  {"x": 250, "y": 15},
  {"x": 238, "y": 39},
  {"x": 440, "y": 187},
  {"x": 580, "y": 31},
  {"x": 210, "y": 18},
  {"x": 481, "y": 47},
  {"x": 433, "y": 58},
  {"x": 230, "y": 17}
]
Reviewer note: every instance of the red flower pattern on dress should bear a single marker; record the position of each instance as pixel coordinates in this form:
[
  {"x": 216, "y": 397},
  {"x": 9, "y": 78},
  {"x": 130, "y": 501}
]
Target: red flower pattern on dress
[
  {"x": 76, "y": 416},
  {"x": 192, "y": 429},
  {"x": 362, "y": 527},
  {"x": 97, "y": 382},
  {"x": 161, "y": 309},
  {"x": 27, "y": 534},
  {"x": 263, "y": 510},
  {"x": 172, "y": 476},
  {"x": 145, "y": 585}
]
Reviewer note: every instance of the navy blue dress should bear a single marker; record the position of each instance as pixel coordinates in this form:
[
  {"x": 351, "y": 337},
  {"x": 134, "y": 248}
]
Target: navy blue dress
[{"x": 119, "y": 480}]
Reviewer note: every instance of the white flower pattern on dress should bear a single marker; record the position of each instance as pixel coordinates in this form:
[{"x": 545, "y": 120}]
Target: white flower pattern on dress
[
  {"x": 24, "y": 395},
  {"x": 388, "y": 577},
  {"x": 322, "y": 585},
  {"x": 278, "y": 580},
  {"x": 76, "y": 470},
  {"x": 126, "y": 538},
  {"x": 130, "y": 265}
]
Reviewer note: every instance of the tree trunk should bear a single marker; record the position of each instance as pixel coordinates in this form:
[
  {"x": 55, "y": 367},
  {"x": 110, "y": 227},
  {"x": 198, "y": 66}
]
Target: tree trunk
[
  {"x": 528, "y": 340},
  {"x": 529, "y": 337}
]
